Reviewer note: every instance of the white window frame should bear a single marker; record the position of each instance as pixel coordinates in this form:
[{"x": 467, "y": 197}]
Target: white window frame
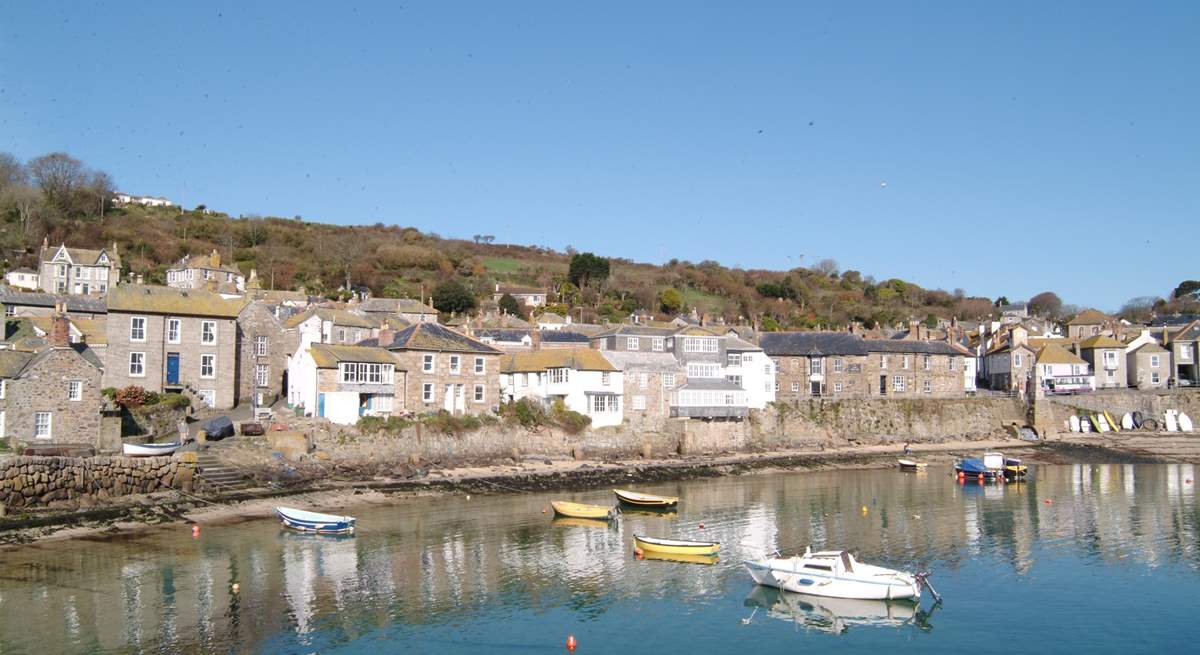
[
  {"x": 428, "y": 363},
  {"x": 1154, "y": 377},
  {"x": 795, "y": 387},
  {"x": 209, "y": 361},
  {"x": 559, "y": 375},
  {"x": 883, "y": 362},
  {"x": 366, "y": 373},
  {"x": 837, "y": 387},
  {"x": 816, "y": 366},
  {"x": 427, "y": 392},
  {"x": 643, "y": 380},
  {"x": 638, "y": 403},
  {"x": 927, "y": 386},
  {"x": 927, "y": 362},
  {"x": 700, "y": 345},
  {"x": 837, "y": 364},
  {"x": 1016, "y": 360},
  {"x": 898, "y": 383},
  {"x": 137, "y": 359},
  {"x": 208, "y": 332},
  {"x": 137, "y": 329},
  {"x": 260, "y": 345},
  {"x": 480, "y": 394},
  {"x": 455, "y": 364},
  {"x": 38, "y": 432},
  {"x": 632, "y": 343},
  {"x": 174, "y": 330},
  {"x": 208, "y": 397},
  {"x": 904, "y": 362},
  {"x": 3, "y": 388},
  {"x": 656, "y": 344},
  {"x": 262, "y": 375},
  {"x": 605, "y": 378},
  {"x": 1154, "y": 361},
  {"x": 733, "y": 359},
  {"x": 74, "y": 390},
  {"x": 480, "y": 366},
  {"x": 668, "y": 380}
]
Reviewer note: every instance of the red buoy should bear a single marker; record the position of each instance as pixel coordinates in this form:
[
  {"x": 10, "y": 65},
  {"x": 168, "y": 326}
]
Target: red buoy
[
  {"x": 571, "y": 643},
  {"x": 1048, "y": 501},
  {"x": 195, "y": 531},
  {"x": 702, "y": 525}
]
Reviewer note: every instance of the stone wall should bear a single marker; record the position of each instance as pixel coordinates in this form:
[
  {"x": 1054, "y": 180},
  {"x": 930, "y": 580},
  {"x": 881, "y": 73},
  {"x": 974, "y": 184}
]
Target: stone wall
[
  {"x": 44, "y": 388},
  {"x": 1053, "y": 412},
  {"x": 84, "y": 481}
]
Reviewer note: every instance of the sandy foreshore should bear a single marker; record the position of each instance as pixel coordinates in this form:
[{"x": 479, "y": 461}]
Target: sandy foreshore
[{"x": 135, "y": 514}]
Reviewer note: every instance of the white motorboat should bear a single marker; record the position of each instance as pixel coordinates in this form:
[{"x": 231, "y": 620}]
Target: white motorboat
[
  {"x": 150, "y": 449},
  {"x": 836, "y": 574}
]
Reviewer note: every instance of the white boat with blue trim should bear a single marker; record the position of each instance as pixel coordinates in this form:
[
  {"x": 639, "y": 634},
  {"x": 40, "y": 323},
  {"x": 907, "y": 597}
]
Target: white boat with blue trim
[
  {"x": 836, "y": 574},
  {"x": 150, "y": 449},
  {"x": 298, "y": 519}
]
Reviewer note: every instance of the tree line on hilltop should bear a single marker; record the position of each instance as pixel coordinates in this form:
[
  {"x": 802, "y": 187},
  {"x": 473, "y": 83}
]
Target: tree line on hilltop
[{"x": 59, "y": 197}]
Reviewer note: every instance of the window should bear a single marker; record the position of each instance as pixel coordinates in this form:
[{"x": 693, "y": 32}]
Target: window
[
  {"x": 631, "y": 343},
  {"x": 479, "y": 393},
  {"x": 208, "y": 397},
  {"x": 605, "y": 378},
  {"x": 703, "y": 370},
  {"x": 817, "y": 365},
  {"x": 342, "y": 335},
  {"x": 668, "y": 380},
  {"x": 883, "y": 362},
  {"x": 524, "y": 378},
  {"x": 897, "y": 383},
  {"x": 427, "y": 363},
  {"x": 41, "y": 425},
  {"x": 478, "y": 366},
  {"x": 75, "y": 390},
  {"x": 733, "y": 359},
  {"x": 767, "y": 368},
  {"x": 61, "y": 270},
  {"x": 927, "y": 386},
  {"x": 1153, "y": 361},
  {"x": 837, "y": 365},
  {"x": 605, "y": 402},
  {"x": 1110, "y": 357},
  {"x": 928, "y": 361},
  {"x": 3, "y": 388},
  {"x": 366, "y": 373},
  {"x": 137, "y": 328},
  {"x": 953, "y": 363},
  {"x": 137, "y": 365},
  {"x": 173, "y": 330},
  {"x": 904, "y": 362},
  {"x": 1046, "y": 370},
  {"x": 260, "y": 346},
  {"x": 208, "y": 331},
  {"x": 1154, "y": 377},
  {"x": 643, "y": 380},
  {"x": 78, "y": 271},
  {"x": 1016, "y": 359},
  {"x": 656, "y": 344},
  {"x": 60, "y": 286},
  {"x": 10, "y": 310},
  {"x": 795, "y": 387},
  {"x": 262, "y": 375},
  {"x": 427, "y": 392},
  {"x": 559, "y": 375},
  {"x": 736, "y": 379},
  {"x": 208, "y": 366},
  {"x": 639, "y": 402},
  {"x": 699, "y": 345},
  {"x": 455, "y": 364},
  {"x": 837, "y": 387}
]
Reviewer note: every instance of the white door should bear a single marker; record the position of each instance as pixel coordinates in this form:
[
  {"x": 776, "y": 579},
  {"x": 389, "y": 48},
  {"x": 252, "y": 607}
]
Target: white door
[
  {"x": 448, "y": 398},
  {"x": 2, "y": 433},
  {"x": 460, "y": 398}
]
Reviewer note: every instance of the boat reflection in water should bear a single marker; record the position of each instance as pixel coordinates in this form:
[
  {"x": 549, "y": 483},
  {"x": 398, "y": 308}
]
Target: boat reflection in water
[
  {"x": 567, "y": 521},
  {"x": 681, "y": 558},
  {"x": 835, "y": 615}
]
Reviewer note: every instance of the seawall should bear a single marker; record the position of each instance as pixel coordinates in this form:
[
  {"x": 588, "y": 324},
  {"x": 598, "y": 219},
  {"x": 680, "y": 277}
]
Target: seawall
[{"x": 34, "y": 481}]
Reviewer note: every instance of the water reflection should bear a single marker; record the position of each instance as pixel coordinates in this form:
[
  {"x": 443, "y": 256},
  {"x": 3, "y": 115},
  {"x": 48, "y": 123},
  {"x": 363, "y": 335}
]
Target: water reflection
[
  {"x": 833, "y": 615},
  {"x": 436, "y": 564}
]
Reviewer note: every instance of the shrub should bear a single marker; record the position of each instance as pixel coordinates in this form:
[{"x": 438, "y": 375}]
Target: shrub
[
  {"x": 447, "y": 423},
  {"x": 383, "y": 425},
  {"x": 525, "y": 413},
  {"x": 132, "y": 396},
  {"x": 572, "y": 422},
  {"x": 174, "y": 401},
  {"x": 108, "y": 392}
]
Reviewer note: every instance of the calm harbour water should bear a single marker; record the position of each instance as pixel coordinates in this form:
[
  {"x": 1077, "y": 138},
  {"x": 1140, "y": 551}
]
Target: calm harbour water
[{"x": 1111, "y": 564}]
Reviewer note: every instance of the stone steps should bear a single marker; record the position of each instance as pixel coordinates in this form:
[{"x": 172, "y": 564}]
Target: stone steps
[{"x": 219, "y": 476}]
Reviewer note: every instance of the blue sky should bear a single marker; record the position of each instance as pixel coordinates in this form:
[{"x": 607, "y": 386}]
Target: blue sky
[{"x": 1004, "y": 148}]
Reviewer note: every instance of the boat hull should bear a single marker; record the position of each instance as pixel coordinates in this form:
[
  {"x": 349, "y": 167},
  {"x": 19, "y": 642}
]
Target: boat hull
[
  {"x": 910, "y": 465},
  {"x": 648, "y": 501},
  {"x": 313, "y": 522},
  {"x": 582, "y": 511},
  {"x": 786, "y": 575},
  {"x": 675, "y": 546},
  {"x": 150, "y": 450}
]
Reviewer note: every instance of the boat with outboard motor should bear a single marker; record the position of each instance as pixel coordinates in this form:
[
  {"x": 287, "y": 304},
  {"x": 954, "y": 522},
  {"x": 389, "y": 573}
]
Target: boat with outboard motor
[{"x": 836, "y": 574}]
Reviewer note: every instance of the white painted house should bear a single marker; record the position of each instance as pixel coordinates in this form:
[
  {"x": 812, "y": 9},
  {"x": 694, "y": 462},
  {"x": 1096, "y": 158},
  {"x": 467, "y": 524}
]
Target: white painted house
[
  {"x": 22, "y": 278},
  {"x": 345, "y": 383},
  {"x": 1062, "y": 371},
  {"x": 581, "y": 378},
  {"x": 749, "y": 367}
]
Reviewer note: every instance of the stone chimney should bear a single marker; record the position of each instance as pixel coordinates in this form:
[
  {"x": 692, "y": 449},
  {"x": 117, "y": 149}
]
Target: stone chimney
[
  {"x": 60, "y": 326},
  {"x": 535, "y": 339},
  {"x": 386, "y": 335},
  {"x": 214, "y": 259},
  {"x": 914, "y": 330},
  {"x": 1018, "y": 336}
]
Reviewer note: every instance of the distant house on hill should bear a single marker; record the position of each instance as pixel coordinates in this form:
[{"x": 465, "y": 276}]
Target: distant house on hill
[
  {"x": 412, "y": 311},
  {"x": 78, "y": 271},
  {"x": 528, "y": 296},
  {"x": 22, "y": 278},
  {"x": 198, "y": 271},
  {"x": 122, "y": 198}
]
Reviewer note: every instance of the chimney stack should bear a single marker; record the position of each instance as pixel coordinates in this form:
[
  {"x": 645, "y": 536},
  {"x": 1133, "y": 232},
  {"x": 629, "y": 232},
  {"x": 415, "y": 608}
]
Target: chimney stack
[
  {"x": 535, "y": 339},
  {"x": 215, "y": 259},
  {"x": 386, "y": 335},
  {"x": 60, "y": 326}
]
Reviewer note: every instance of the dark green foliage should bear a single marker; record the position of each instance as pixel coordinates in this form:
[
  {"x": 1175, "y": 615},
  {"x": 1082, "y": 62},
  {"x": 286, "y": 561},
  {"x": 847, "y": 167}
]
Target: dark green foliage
[
  {"x": 1187, "y": 290},
  {"x": 587, "y": 269},
  {"x": 509, "y": 305},
  {"x": 452, "y": 297}
]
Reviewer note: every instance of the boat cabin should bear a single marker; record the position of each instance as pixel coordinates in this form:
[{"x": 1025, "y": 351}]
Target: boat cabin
[{"x": 833, "y": 562}]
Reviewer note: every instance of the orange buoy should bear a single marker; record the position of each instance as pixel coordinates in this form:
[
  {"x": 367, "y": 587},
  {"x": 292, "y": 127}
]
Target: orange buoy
[
  {"x": 571, "y": 643},
  {"x": 638, "y": 552},
  {"x": 1048, "y": 501},
  {"x": 701, "y": 526},
  {"x": 195, "y": 531}
]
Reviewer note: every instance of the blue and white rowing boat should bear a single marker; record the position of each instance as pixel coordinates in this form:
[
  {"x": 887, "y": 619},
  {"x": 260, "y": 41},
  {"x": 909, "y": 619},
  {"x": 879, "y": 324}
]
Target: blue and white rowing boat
[
  {"x": 298, "y": 519},
  {"x": 150, "y": 449}
]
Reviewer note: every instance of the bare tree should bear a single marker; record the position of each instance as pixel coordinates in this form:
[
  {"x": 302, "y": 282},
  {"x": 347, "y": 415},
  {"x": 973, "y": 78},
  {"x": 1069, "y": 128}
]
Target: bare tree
[
  {"x": 58, "y": 175},
  {"x": 12, "y": 172},
  {"x": 827, "y": 267}
]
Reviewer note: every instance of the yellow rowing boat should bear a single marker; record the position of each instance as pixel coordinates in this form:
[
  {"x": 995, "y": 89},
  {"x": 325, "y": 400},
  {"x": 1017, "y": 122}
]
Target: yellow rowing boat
[
  {"x": 645, "y": 500},
  {"x": 581, "y": 511},
  {"x": 675, "y": 546}
]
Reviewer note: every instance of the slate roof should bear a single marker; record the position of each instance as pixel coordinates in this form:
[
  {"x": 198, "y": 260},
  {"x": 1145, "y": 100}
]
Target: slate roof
[
  {"x": 551, "y": 317},
  {"x": 579, "y": 359},
  {"x": 635, "y": 331},
  {"x": 396, "y": 306},
  {"x": 335, "y": 316},
  {"x": 12, "y": 362},
  {"x": 1101, "y": 341},
  {"x": 1189, "y": 333},
  {"x": 204, "y": 262},
  {"x": 918, "y": 347},
  {"x": 134, "y": 298},
  {"x": 735, "y": 344},
  {"x": 644, "y": 361},
  {"x": 564, "y": 336},
  {"x": 431, "y": 336},
  {"x": 518, "y": 290},
  {"x": 1149, "y": 347},
  {"x": 1055, "y": 354},
  {"x": 781, "y": 344},
  {"x": 1174, "y": 320},
  {"x": 22, "y": 269},
  {"x": 79, "y": 304},
  {"x": 83, "y": 256},
  {"x": 1090, "y": 317},
  {"x": 94, "y": 330},
  {"x": 502, "y": 335},
  {"x": 328, "y": 355}
]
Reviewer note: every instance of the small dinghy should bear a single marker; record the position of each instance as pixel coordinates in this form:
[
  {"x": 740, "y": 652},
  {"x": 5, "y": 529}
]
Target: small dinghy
[
  {"x": 636, "y": 499},
  {"x": 298, "y": 519},
  {"x": 910, "y": 465},
  {"x": 1172, "y": 426},
  {"x": 1127, "y": 421},
  {"x": 969, "y": 467},
  {"x": 1112, "y": 422},
  {"x": 836, "y": 574},
  {"x": 582, "y": 511},
  {"x": 150, "y": 449},
  {"x": 1185, "y": 422},
  {"x": 675, "y": 546},
  {"x": 1073, "y": 422}
]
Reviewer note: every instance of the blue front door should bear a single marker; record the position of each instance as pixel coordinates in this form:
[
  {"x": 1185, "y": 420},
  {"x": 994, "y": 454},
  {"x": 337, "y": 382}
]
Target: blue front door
[
  {"x": 172, "y": 368},
  {"x": 321, "y": 404}
]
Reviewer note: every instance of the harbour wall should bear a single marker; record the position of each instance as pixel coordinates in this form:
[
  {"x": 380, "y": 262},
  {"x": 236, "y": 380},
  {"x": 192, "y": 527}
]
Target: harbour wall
[
  {"x": 32, "y": 481},
  {"x": 1054, "y": 412}
]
